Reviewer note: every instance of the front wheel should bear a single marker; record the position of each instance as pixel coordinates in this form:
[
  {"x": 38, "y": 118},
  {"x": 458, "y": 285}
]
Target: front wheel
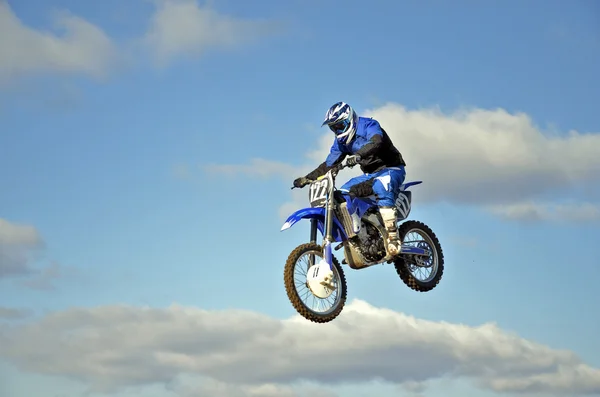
[
  {"x": 296, "y": 286},
  {"x": 408, "y": 266}
]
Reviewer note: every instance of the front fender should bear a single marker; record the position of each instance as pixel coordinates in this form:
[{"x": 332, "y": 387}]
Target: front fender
[{"x": 317, "y": 213}]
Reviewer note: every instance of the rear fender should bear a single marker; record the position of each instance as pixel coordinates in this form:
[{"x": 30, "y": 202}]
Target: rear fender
[
  {"x": 317, "y": 213},
  {"x": 404, "y": 200}
]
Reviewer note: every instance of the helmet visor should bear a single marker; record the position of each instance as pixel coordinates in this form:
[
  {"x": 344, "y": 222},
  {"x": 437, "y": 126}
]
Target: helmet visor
[{"x": 340, "y": 126}]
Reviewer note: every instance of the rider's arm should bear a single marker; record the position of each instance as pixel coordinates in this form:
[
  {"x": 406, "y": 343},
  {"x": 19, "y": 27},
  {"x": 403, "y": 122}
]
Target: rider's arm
[
  {"x": 336, "y": 155},
  {"x": 374, "y": 137}
]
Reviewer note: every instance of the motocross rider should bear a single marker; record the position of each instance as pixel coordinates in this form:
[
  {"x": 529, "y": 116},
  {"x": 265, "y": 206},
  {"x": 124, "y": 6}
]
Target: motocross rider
[{"x": 379, "y": 160}]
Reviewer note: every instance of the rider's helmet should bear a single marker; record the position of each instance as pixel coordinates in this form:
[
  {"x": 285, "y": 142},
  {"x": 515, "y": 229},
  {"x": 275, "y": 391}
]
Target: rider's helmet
[{"x": 342, "y": 120}]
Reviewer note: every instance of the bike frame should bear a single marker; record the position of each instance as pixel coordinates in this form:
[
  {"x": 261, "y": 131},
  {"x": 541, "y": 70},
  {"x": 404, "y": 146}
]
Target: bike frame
[{"x": 324, "y": 216}]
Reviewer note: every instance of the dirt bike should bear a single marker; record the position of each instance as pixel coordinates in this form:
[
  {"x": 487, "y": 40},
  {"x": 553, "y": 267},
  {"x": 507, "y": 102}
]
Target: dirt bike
[{"x": 354, "y": 223}]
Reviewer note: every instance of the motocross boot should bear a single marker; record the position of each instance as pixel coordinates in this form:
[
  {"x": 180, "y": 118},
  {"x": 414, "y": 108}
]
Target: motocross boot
[{"x": 388, "y": 215}]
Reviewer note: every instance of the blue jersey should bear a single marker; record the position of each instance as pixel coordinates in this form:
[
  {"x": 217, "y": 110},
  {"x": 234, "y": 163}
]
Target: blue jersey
[{"x": 371, "y": 143}]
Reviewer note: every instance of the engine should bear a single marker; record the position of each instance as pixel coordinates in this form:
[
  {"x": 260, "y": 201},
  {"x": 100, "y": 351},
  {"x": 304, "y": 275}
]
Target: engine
[{"x": 371, "y": 245}]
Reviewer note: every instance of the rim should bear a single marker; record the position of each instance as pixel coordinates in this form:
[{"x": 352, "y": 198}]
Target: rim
[
  {"x": 420, "y": 264},
  {"x": 317, "y": 305}
]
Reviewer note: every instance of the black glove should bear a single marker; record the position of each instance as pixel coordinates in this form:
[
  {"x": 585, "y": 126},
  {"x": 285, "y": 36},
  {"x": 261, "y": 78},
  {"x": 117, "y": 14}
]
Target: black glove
[
  {"x": 352, "y": 161},
  {"x": 301, "y": 182}
]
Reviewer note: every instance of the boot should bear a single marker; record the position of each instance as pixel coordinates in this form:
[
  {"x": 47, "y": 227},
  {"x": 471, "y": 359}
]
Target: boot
[{"x": 388, "y": 215}]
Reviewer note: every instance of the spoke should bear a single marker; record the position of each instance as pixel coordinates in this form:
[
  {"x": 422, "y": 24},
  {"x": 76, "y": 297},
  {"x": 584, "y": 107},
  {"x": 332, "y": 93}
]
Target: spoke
[
  {"x": 427, "y": 264},
  {"x": 310, "y": 300}
]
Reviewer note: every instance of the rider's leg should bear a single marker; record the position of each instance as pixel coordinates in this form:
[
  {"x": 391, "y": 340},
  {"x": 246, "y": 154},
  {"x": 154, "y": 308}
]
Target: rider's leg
[
  {"x": 386, "y": 186},
  {"x": 356, "y": 187},
  {"x": 388, "y": 215},
  {"x": 354, "y": 183}
]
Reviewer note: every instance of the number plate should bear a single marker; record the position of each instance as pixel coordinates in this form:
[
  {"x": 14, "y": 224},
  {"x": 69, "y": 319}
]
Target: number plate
[{"x": 317, "y": 192}]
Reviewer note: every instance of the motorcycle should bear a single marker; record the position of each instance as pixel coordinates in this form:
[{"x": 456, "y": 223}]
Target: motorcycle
[{"x": 356, "y": 225}]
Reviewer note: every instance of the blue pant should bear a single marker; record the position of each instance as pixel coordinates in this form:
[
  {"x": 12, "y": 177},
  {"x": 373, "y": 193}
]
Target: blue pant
[{"x": 384, "y": 184}]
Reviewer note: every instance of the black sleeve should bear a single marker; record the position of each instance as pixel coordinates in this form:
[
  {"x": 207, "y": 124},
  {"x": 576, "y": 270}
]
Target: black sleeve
[
  {"x": 323, "y": 168},
  {"x": 373, "y": 146},
  {"x": 317, "y": 172}
]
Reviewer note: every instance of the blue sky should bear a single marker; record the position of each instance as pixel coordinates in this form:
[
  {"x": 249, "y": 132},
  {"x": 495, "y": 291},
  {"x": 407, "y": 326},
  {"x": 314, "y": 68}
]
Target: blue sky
[{"x": 129, "y": 172}]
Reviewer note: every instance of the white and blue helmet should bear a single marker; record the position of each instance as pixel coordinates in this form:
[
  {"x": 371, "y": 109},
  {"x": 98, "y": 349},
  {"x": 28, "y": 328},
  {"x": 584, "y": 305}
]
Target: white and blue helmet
[{"x": 342, "y": 120}]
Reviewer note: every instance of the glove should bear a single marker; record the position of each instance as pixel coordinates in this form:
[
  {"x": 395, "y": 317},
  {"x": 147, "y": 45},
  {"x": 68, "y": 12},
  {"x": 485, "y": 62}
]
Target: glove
[
  {"x": 301, "y": 182},
  {"x": 352, "y": 161}
]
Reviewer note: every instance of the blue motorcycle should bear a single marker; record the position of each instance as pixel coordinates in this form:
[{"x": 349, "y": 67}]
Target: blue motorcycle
[{"x": 355, "y": 225}]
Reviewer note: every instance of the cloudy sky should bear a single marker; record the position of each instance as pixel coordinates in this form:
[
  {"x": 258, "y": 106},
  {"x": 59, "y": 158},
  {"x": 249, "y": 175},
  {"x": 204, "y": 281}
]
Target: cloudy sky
[{"x": 146, "y": 154}]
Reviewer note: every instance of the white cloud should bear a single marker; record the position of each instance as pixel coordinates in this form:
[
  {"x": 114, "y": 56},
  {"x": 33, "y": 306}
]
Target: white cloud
[
  {"x": 256, "y": 168},
  {"x": 489, "y": 158},
  {"x": 176, "y": 28},
  {"x": 43, "y": 278},
  {"x": 202, "y": 386},
  {"x": 9, "y": 313},
  {"x": 20, "y": 245},
  {"x": 181, "y": 171},
  {"x": 183, "y": 27},
  {"x": 115, "y": 346},
  {"x": 530, "y": 211},
  {"x": 17, "y": 243},
  {"x": 82, "y": 48}
]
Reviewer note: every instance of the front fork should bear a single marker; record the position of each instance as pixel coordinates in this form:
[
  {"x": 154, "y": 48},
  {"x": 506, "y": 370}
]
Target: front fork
[
  {"x": 313, "y": 231},
  {"x": 326, "y": 241},
  {"x": 313, "y": 239},
  {"x": 328, "y": 231}
]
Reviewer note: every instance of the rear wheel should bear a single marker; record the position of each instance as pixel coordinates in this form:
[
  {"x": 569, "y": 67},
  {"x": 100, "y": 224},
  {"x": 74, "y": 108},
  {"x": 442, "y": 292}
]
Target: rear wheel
[
  {"x": 304, "y": 301},
  {"x": 410, "y": 268}
]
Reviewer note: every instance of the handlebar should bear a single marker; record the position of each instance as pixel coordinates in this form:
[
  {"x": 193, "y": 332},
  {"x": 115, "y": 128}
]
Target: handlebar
[{"x": 337, "y": 168}]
